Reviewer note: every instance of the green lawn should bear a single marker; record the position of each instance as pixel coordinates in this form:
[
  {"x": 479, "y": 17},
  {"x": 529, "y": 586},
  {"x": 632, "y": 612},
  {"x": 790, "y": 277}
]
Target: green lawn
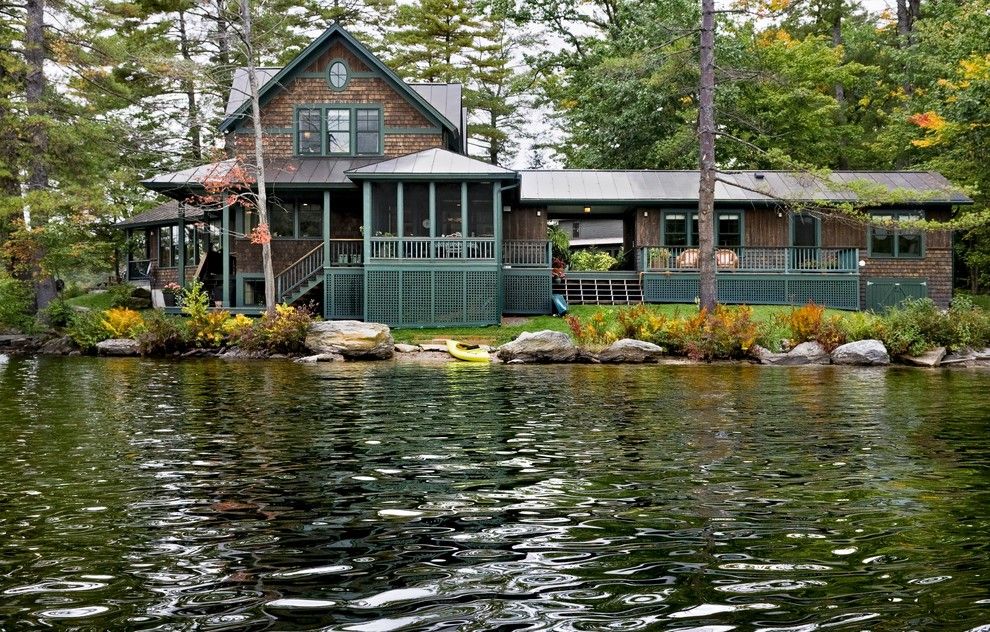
[
  {"x": 93, "y": 300},
  {"x": 497, "y": 335}
]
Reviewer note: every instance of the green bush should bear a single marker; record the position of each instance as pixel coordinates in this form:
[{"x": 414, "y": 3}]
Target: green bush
[
  {"x": 863, "y": 326},
  {"x": 592, "y": 260},
  {"x": 120, "y": 294},
  {"x": 86, "y": 329},
  {"x": 772, "y": 332},
  {"x": 16, "y": 304},
  {"x": 58, "y": 313},
  {"x": 161, "y": 334},
  {"x": 914, "y": 327},
  {"x": 969, "y": 324},
  {"x": 283, "y": 332}
]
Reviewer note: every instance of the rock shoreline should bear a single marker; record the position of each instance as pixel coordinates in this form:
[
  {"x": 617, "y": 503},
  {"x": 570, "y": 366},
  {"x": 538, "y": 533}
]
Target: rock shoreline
[{"x": 350, "y": 341}]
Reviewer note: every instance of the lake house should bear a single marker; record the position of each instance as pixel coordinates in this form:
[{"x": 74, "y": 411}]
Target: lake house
[{"x": 378, "y": 213}]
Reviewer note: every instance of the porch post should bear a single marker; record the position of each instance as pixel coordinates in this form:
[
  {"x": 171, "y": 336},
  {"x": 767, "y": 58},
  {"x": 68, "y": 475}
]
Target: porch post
[
  {"x": 181, "y": 265},
  {"x": 497, "y": 219},
  {"x": 464, "y": 218},
  {"x": 400, "y": 204},
  {"x": 225, "y": 239},
  {"x": 367, "y": 223},
  {"x": 128, "y": 235},
  {"x": 326, "y": 228},
  {"x": 433, "y": 220}
]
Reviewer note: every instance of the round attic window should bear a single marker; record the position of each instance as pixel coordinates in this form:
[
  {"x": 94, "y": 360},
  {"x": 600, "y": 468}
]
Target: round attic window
[{"x": 337, "y": 75}]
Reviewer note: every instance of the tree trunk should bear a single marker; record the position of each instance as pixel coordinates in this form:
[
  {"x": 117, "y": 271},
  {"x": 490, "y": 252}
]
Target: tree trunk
[
  {"x": 223, "y": 63},
  {"x": 37, "y": 177},
  {"x": 908, "y": 11},
  {"x": 10, "y": 185},
  {"x": 842, "y": 160},
  {"x": 266, "y": 246},
  {"x": 189, "y": 87},
  {"x": 707, "y": 290}
]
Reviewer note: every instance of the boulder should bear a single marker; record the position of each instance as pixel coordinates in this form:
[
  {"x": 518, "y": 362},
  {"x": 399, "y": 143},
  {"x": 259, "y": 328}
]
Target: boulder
[
  {"x": 118, "y": 347},
  {"x": 136, "y": 302},
  {"x": 320, "y": 357},
  {"x": 862, "y": 353},
  {"x": 929, "y": 359},
  {"x": 803, "y": 354},
  {"x": 141, "y": 292},
  {"x": 540, "y": 347},
  {"x": 633, "y": 351},
  {"x": 58, "y": 346},
  {"x": 352, "y": 339},
  {"x": 434, "y": 347},
  {"x": 404, "y": 348}
]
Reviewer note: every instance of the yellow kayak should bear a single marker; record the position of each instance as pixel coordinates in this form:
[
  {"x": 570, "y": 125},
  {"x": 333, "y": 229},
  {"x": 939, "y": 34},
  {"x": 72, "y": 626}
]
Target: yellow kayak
[{"x": 468, "y": 353}]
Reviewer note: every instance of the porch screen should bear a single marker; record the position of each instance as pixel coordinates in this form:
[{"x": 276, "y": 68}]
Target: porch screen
[
  {"x": 448, "y": 208},
  {"x": 481, "y": 217},
  {"x": 416, "y": 209},
  {"x": 384, "y": 209}
]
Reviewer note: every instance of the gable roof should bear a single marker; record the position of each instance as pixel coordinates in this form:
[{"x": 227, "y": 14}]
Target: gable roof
[
  {"x": 631, "y": 187},
  {"x": 240, "y": 90},
  {"x": 431, "y": 163},
  {"x": 314, "y": 49}
]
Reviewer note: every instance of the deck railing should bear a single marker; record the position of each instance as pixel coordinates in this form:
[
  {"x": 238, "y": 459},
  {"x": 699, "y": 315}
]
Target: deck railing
[
  {"x": 531, "y": 253},
  {"x": 433, "y": 248},
  {"x": 346, "y": 252},
  {"x": 751, "y": 259}
]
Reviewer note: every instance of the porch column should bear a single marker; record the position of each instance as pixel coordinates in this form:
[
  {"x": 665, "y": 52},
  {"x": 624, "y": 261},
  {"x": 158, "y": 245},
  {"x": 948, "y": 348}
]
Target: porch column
[
  {"x": 497, "y": 220},
  {"x": 128, "y": 235},
  {"x": 225, "y": 239},
  {"x": 181, "y": 264},
  {"x": 326, "y": 229},
  {"x": 367, "y": 223},
  {"x": 464, "y": 218}
]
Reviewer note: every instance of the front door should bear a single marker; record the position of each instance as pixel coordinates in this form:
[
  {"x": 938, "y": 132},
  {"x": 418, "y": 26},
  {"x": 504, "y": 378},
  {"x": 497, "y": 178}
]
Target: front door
[{"x": 805, "y": 233}]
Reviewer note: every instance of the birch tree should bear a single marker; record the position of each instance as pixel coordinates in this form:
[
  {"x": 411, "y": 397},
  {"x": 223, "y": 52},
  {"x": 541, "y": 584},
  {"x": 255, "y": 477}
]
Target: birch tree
[{"x": 263, "y": 234}]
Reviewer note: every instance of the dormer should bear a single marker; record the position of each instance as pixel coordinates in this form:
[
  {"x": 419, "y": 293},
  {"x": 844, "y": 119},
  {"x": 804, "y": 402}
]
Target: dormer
[{"x": 336, "y": 99}]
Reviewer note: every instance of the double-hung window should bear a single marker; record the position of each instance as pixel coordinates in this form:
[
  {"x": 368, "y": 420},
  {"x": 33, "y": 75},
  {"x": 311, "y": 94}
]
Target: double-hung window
[
  {"x": 681, "y": 229},
  {"x": 338, "y": 130},
  {"x": 897, "y": 242}
]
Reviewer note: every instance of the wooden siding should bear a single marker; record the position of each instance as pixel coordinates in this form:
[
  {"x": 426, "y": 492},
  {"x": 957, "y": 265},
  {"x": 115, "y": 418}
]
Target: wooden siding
[
  {"x": 762, "y": 227},
  {"x": 338, "y": 51},
  {"x": 646, "y": 230},
  {"x": 524, "y": 224},
  {"x": 285, "y": 252},
  {"x": 843, "y": 233},
  {"x": 278, "y": 113}
]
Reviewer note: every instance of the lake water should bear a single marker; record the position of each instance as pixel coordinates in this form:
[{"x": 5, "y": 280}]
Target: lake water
[{"x": 207, "y": 495}]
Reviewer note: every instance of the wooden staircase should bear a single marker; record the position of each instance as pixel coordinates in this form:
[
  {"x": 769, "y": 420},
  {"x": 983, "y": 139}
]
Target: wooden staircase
[
  {"x": 301, "y": 277},
  {"x": 602, "y": 289}
]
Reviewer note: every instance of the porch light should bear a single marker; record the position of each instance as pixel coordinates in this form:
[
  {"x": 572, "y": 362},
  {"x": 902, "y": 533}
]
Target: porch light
[
  {"x": 646, "y": 213},
  {"x": 587, "y": 209},
  {"x": 862, "y": 263}
]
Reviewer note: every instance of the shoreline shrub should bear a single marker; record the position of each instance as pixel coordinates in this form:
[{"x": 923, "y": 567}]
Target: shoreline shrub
[
  {"x": 282, "y": 332},
  {"x": 87, "y": 329},
  {"x": 16, "y": 304},
  {"x": 161, "y": 334},
  {"x": 121, "y": 322}
]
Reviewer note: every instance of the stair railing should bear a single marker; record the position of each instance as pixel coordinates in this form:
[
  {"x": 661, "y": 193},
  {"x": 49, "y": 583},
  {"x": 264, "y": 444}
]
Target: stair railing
[{"x": 300, "y": 272}]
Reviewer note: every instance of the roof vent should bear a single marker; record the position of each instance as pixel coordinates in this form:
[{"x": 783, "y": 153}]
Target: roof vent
[{"x": 759, "y": 176}]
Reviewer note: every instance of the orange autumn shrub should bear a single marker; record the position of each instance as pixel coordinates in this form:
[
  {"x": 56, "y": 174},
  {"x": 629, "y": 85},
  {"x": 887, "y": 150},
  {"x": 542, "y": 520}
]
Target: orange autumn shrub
[
  {"x": 809, "y": 323},
  {"x": 725, "y": 333}
]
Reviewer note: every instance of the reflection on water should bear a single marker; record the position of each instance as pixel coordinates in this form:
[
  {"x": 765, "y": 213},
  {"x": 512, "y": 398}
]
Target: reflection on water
[{"x": 212, "y": 495}]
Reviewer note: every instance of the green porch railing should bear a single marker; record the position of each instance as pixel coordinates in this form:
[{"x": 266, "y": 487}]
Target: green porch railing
[
  {"x": 345, "y": 253},
  {"x": 432, "y": 248},
  {"x": 526, "y": 253},
  {"x": 751, "y": 259}
]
